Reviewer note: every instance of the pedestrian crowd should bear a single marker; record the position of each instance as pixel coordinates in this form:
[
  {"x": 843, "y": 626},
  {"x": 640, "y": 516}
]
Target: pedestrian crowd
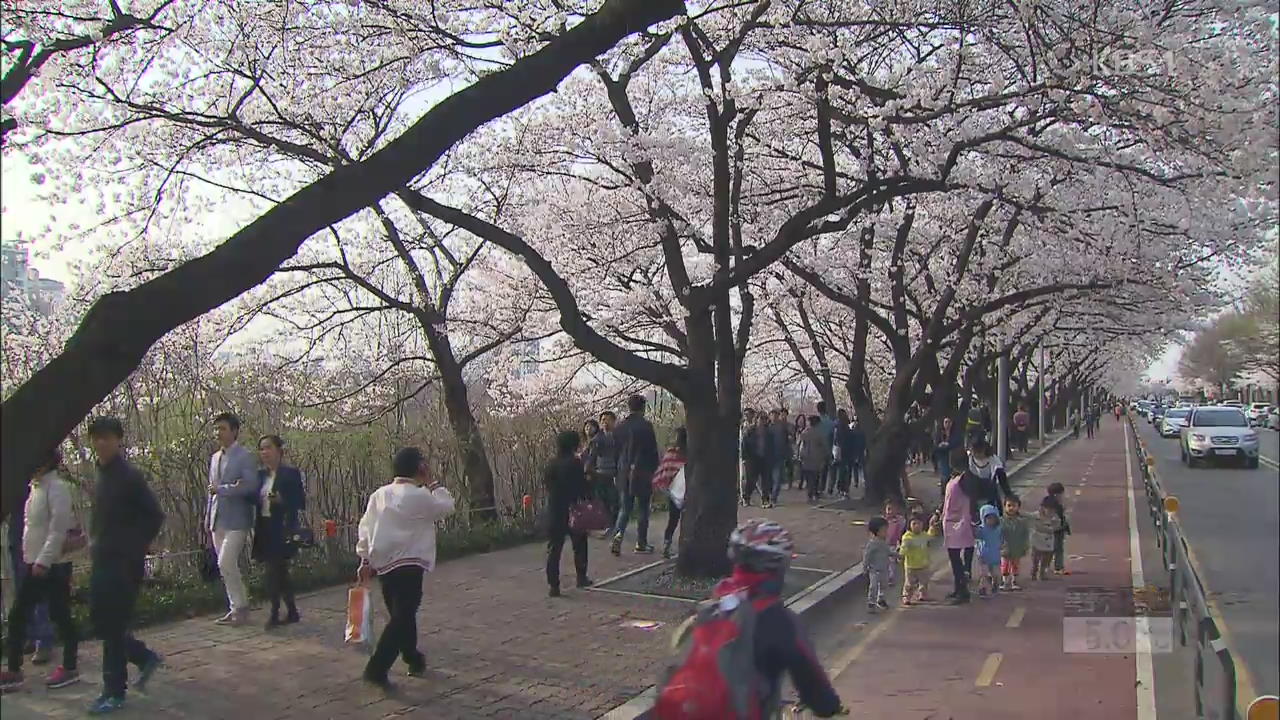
[{"x": 599, "y": 479}]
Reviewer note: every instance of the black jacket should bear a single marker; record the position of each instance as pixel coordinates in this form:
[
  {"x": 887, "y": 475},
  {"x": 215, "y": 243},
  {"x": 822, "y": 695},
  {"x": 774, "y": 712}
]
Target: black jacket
[
  {"x": 126, "y": 517},
  {"x": 272, "y": 533},
  {"x": 638, "y": 455},
  {"x": 566, "y": 484}
]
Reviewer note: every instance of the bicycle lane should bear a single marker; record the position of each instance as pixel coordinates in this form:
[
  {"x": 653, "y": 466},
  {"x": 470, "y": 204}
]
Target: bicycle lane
[{"x": 1004, "y": 657}]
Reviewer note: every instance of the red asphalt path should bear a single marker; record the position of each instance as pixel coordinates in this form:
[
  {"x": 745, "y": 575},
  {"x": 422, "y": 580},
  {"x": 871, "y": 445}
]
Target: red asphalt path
[{"x": 1003, "y": 657}]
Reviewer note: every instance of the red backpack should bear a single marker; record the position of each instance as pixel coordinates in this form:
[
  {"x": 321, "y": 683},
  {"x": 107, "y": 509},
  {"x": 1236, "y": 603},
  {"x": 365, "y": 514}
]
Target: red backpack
[{"x": 714, "y": 676}]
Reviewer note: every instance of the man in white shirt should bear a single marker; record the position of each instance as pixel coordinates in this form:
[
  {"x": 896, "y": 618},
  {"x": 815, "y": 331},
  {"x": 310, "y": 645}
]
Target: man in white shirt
[
  {"x": 233, "y": 495},
  {"x": 397, "y": 542}
]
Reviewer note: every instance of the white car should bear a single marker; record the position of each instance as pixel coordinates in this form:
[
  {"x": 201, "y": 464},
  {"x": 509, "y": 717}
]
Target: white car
[
  {"x": 1174, "y": 420},
  {"x": 1218, "y": 433},
  {"x": 1258, "y": 412}
]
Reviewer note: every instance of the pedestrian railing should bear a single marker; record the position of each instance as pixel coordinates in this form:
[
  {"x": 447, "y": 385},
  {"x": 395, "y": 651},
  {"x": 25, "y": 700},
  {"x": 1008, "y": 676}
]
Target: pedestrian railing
[{"x": 1194, "y": 620}]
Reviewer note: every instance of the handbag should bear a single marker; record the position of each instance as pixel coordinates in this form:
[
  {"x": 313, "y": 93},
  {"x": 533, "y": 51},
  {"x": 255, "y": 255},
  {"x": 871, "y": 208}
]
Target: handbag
[{"x": 587, "y": 516}]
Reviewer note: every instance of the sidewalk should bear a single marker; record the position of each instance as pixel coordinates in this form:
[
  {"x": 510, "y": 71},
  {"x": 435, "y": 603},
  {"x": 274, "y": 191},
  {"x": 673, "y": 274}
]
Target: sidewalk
[{"x": 1004, "y": 657}]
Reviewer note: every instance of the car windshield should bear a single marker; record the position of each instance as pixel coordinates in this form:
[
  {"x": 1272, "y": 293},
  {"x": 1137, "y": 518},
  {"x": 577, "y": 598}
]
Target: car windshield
[
  {"x": 1220, "y": 418},
  {"x": 1177, "y": 413}
]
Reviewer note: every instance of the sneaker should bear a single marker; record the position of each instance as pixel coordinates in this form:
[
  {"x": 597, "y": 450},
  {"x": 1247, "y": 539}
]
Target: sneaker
[
  {"x": 553, "y": 591},
  {"x": 766, "y": 505},
  {"x": 615, "y": 545},
  {"x": 146, "y": 670},
  {"x": 41, "y": 656},
  {"x": 417, "y": 669},
  {"x": 666, "y": 551},
  {"x": 232, "y": 618},
  {"x": 105, "y": 705},
  {"x": 292, "y": 617},
  {"x": 872, "y": 608},
  {"x": 1014, "y": 586},
  {"x": 644, "y": 549},
  {"x": 882, "y": 605},
  {"x": 585, "y": 582},
  {"x": 10, "y": 681},
  {"x": 61, "y": 677}
]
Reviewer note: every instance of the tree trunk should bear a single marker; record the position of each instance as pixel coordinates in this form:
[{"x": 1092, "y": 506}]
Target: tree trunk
[
  {"x": 886, "y": 456},
  {"x": 121, "y": 327},
  {"x": 711, "y": 505},
  {"x": 475, "y": 461}
]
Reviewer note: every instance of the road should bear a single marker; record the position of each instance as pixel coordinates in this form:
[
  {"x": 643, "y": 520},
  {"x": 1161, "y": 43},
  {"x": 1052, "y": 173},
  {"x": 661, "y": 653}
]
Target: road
[{"x": 1231, "y": 518}]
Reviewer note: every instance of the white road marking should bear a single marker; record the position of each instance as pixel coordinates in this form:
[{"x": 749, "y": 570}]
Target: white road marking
[{"x": 1146, "y": 688}]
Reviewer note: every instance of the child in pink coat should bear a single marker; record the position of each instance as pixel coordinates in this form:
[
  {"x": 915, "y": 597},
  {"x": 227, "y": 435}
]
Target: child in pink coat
[{"x": 897, "y": 525}]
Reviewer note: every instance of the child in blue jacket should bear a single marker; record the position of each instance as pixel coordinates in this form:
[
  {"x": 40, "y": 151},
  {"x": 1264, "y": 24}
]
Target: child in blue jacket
[{"x": 988, "y": 536}]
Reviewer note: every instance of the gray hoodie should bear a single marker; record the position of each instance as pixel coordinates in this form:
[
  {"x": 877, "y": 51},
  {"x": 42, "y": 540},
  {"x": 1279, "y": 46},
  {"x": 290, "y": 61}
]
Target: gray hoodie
[{"x": 877, "y": 554}]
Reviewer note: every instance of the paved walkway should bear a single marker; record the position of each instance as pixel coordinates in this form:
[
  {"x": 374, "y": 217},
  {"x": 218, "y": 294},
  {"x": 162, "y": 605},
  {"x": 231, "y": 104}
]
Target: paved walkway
[{"x": 1004, "y": 657}]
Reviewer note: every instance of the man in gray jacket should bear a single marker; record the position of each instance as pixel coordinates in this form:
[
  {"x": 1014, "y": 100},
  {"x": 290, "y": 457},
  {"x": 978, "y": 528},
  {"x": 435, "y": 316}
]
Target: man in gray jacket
[{"x": 233, "y": 495}]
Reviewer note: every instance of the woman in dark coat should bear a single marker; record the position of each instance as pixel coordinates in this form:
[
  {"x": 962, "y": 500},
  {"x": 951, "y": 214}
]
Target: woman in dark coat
[
  {"x": 275, "y": 537},
  {"x": 566, "y": 484}
]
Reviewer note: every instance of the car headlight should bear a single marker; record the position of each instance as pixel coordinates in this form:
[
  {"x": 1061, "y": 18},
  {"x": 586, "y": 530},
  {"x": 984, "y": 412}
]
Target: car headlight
[
  {"x": 1250, "y": 438},
  {"x": 1197, "y": 437}
]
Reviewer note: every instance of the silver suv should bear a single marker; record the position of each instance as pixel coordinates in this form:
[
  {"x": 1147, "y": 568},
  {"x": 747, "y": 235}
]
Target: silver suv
[{"x": 1221, "y": 432}]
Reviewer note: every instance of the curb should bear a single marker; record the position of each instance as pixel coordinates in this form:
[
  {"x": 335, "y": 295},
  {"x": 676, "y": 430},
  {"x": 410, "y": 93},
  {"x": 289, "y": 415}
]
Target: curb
[{"x": 806, "y": 600}]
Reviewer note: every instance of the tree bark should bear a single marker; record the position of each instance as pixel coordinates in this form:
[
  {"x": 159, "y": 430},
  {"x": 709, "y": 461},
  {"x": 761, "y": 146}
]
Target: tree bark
[
  {"x": 457, "y": 405},
  {"x": 711, "y": 507},
  {"x": 121, "y": 327}
]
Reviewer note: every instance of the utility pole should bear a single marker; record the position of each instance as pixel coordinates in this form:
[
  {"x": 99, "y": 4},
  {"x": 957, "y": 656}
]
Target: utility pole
[{"x": 1040, "y": 379}]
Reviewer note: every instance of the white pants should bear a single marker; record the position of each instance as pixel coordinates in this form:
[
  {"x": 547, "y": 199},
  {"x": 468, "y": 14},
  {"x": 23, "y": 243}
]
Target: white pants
[{"x": 229, "y": 544}]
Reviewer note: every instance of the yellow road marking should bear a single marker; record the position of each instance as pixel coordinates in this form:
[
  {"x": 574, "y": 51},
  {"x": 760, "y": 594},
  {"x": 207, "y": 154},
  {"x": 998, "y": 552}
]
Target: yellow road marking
[
  {"x": 988, "y": 672},
  {"x": 1015, "y": 620},
  {"x": 851, "y": 655}
]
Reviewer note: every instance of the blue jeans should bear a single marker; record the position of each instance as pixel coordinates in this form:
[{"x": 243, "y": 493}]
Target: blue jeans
[
  {"x": 773, "y": 482},
  {"x": 39, "y": 627},
  {"x": 642, "y": 518}
]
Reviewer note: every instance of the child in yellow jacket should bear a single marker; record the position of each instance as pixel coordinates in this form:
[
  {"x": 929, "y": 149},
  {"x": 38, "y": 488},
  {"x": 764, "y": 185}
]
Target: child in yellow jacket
[{"x": 914, "y": 549}]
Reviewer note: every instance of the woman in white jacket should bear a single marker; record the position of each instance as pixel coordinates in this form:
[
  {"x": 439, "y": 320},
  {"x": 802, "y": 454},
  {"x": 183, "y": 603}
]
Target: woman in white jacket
[
  {"x": 397, "y": 542},
  {"x": 48, "y": 519}
]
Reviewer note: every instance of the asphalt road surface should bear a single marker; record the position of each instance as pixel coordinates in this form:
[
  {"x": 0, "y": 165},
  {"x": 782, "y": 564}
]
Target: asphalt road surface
[{"x": 1231, "y": 518}]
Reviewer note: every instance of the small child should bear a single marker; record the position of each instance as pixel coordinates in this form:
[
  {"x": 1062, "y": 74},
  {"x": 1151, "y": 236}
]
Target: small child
[
  {"x": 988, "y": 536},
  {"x": 876, "y": 558},
  {"x": 1058, "y": 494},
  {"x": 897, "y": 525},
  {"x": 1044, "y": 528},
  {"x": 914, "y": 550},
  {"x": 1017, "y": 540},
  {"x": 915, "y": 507}
]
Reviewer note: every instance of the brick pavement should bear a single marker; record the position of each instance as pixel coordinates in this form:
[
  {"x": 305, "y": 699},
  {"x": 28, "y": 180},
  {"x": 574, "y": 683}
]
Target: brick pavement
[
  {"x": 1004, "y": 657},
  {"x": 496, "y": 645}
]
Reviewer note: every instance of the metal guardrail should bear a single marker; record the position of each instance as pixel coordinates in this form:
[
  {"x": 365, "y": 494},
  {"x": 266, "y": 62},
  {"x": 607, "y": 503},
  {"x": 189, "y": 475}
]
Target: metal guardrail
[{"x": 1188, "y": 597}]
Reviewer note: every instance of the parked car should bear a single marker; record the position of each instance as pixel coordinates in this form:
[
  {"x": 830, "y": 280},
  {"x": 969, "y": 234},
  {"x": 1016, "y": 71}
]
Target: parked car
[
  {"x": 1258, "y": 412},
  {"x": 1218, "y": 432},
  {"x": 1174, "y": 420},
  {"x": 1232, "y": 403}
]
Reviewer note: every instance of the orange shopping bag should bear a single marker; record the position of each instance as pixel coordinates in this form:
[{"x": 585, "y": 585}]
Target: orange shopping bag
[{"x": 359, "y": 615}]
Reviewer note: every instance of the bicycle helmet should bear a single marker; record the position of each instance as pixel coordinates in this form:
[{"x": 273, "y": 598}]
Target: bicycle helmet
[{"x": 761, "y": 546}]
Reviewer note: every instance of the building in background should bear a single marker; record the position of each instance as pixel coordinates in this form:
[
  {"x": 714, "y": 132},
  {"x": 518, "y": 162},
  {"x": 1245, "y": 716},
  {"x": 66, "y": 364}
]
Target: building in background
[{"x": 19, "y": 277}]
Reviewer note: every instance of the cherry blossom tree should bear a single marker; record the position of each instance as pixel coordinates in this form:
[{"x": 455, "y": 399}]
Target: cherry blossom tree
[{"x": 116, "y": 332}]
